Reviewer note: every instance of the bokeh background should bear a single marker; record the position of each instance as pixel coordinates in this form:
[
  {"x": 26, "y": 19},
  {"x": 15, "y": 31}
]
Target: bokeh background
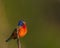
[{"x": 42, "y": 18}]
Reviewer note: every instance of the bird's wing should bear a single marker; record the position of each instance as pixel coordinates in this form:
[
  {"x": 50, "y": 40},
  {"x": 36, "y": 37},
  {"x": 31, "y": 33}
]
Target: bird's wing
[{"x": 13, "y": 35}]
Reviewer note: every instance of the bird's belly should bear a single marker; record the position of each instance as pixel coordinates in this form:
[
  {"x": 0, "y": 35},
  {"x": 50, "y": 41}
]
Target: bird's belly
[{"x": 22, "y": 32}]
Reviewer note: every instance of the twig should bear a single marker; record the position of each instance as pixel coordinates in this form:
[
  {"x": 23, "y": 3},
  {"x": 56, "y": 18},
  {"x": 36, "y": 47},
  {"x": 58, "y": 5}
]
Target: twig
[{"x": 18, "y": 41}]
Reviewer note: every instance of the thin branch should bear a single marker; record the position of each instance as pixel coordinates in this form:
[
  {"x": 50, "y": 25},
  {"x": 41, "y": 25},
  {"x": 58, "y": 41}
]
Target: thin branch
[{"x": 18, "y": 41}]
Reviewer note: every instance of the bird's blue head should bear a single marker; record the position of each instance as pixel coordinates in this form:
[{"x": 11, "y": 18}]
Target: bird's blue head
[{"x": 20, "y": 23}]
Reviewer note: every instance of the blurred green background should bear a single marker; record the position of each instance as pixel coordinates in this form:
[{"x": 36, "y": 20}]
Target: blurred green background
[{"x": 42, "y": 18}]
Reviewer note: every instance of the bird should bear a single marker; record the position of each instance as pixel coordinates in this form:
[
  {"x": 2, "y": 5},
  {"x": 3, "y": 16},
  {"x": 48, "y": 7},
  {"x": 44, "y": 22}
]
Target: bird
[{"x": 22, "y": 31}]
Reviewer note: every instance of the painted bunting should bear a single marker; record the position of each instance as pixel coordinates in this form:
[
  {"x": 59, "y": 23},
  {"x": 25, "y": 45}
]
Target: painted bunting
[{"x": 22, "y": 31}]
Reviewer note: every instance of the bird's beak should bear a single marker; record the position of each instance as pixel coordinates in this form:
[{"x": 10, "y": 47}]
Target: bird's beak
[{"x": 24, "y": 22}]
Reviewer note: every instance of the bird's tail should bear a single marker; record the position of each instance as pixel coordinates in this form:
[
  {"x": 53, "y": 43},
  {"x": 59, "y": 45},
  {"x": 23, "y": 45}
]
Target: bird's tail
[{"x": 8, "y": 39}]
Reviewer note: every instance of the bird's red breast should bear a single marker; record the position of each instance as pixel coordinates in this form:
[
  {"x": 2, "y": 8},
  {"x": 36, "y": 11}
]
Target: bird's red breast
[{"x": 22, "y": 31}]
